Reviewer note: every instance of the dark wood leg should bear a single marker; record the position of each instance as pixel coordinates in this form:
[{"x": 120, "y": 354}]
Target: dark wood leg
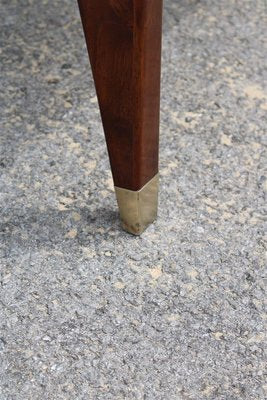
[{"x": 124, "y": 45}]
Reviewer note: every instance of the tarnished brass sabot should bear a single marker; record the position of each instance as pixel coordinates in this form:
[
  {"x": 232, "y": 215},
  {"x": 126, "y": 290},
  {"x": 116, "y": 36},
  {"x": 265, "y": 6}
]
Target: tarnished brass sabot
[{"x": 138, "y": 209}]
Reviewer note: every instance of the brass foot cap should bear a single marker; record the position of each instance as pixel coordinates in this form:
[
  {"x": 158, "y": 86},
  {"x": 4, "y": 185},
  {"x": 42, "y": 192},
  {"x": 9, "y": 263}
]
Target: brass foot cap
[{"x": 138, "y": 209}]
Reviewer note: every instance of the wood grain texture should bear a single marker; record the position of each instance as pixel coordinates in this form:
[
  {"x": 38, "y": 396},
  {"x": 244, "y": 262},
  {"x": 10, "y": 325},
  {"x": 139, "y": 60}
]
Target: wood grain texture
[{"x": 124, "y": 44}]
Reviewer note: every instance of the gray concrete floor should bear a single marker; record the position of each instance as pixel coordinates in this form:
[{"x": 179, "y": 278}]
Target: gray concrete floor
[{"x": 86, "y": 310}]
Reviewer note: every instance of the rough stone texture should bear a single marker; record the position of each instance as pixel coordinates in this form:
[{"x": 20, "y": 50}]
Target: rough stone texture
[{"x": 86, "y": 310}]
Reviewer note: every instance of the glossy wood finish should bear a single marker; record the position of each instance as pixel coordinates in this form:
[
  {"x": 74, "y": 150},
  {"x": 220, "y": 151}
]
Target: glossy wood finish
[{"x": 124, "y": 44}]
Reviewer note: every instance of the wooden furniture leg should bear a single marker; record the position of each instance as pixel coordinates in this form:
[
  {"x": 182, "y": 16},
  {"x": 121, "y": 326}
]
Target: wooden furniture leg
[{"x": 124, "y": 44}]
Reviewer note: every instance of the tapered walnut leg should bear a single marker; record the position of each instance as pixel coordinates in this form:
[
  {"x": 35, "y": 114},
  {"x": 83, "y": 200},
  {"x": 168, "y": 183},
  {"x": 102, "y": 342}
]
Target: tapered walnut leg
[{"x": 124, "y": 44}]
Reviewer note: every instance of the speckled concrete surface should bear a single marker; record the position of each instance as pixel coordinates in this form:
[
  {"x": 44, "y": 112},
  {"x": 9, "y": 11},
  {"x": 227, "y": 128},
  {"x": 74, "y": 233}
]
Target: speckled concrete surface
[{"x": 86, "y": 310}]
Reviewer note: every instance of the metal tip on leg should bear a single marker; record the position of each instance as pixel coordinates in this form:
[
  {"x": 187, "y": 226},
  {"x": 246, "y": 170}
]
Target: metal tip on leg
[{"x": 138, "y": 209}]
